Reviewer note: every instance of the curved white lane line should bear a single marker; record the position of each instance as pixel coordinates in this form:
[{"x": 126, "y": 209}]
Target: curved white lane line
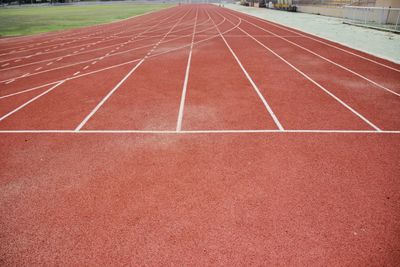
[
  {"x": 315, "y": 83},
  {"x": 320, "y": 41},
  {"x": 154, "y": 56}
]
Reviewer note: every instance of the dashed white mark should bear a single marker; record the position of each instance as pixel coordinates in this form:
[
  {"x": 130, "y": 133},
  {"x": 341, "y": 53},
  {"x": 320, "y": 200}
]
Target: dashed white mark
[
  {"x": 76, "y": 73},
  {"x": 10, "y": 81},
  {"x": 5, "y": 64}
]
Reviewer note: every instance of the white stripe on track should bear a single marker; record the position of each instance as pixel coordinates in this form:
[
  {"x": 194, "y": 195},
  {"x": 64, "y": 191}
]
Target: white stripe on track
[
  {"x": 198, "y": 132},
  {"x": 120, "y": 64},
  {"x": 99, "y": 105},
  {"x": 185, "y": 83},
  {"x": 320, "y": 41},
  {"x": 255, "y": 87},
  {"x": 314, "y": 82},
  {"x": 85, "y": 61},
  {"x": 30, "y": 101},
  {"x": 328, "y": 60}
]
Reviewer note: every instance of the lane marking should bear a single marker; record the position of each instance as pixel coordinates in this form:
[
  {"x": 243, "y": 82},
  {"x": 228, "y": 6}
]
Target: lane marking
[
  {"x": 101, "y": 103},
  {"x": 10, "y": 81},
  {"x": 97, "y": 49},
  {"x": 131, "y": 61},
  {"x": 124, "y": 63},
  {"x": 185, "y": 83},
  {"x": 255, "y": 87},
  {"x": 314, "y": 82},
  {"x": 74, "y": 34},
  {"x": 200, "y": 132},
  {"x": 319, "y": 41},
  {"x": 328, "y": 60},
  {"x": 123, "y": 52},
  {"x": 31, "y": 100}
]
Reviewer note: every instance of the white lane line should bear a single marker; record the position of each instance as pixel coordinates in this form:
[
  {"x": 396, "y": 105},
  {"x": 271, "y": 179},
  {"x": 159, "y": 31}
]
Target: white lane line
[
  {"x": 30, "y": 101},
  {"x": 320, "y": 41},
  {"x": 255, "y": 87},
  {"x": 101, "y": 103},
  {"x": 4, "y": 65},
  {"x": 10, "y": 81},
  {"x": 199, "y": 132},
  {"x": 185, "y": 83},
  {"x": 21, "y": 92},
  {"x": 316, "y": 83},
  {"x": 86, "y": 67},
  {"x": 72, "y": 36},
  {"x": 76, "y": 73},
  {"x": 102, "y": 48},
  {"x": 131, "y": 61},
  {"x": 328, "y": 60},
  {"x": 123, "y": 52},
  {"x": 48, "y": 64},
  {"x": 124, "y": 63}
]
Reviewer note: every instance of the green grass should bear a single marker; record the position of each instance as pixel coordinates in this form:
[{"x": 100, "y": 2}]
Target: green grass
[{"x": 31, "y": 20}]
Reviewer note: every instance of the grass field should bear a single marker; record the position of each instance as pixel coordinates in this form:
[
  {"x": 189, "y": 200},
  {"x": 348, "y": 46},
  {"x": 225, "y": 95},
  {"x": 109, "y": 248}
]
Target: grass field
[{"x": 30, "y": 20}]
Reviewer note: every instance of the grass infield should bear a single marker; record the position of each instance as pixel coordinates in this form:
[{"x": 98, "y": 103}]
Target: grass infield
[{"x": 31, "y": 20}]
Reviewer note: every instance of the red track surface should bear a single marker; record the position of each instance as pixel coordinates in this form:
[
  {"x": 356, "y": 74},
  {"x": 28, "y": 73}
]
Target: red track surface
[{"x": 197, "y": 136}]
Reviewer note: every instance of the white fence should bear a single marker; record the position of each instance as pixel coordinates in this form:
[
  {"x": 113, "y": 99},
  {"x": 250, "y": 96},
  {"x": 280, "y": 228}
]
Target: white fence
[{"x": 376, "y": 17}]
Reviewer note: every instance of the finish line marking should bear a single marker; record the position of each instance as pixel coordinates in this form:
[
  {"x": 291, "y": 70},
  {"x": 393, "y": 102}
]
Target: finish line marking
[{"x": 198, "y": 131}]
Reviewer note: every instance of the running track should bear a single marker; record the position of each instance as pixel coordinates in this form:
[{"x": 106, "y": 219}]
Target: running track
[{"x": 197, "y": 135}]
